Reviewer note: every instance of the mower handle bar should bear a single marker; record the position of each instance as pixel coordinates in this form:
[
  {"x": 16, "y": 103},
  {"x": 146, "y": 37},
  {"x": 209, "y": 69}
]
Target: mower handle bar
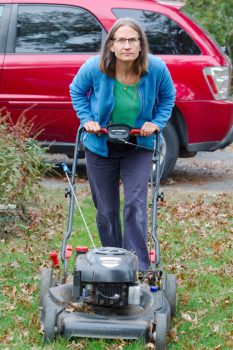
[{"x": 133, "y": 132}]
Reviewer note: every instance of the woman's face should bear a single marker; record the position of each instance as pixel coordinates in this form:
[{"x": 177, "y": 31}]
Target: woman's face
[{"x": 126, "y": 44}]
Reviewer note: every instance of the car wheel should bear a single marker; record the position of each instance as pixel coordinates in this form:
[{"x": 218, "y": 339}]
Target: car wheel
[{"x": 169, "y": 150}]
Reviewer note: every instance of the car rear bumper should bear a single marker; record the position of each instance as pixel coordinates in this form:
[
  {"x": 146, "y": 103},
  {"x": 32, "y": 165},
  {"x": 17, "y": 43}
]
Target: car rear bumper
[
  {"x": 212, "y": 146},
  {"x": 64, "y": 148},
  {"x": 208, "y": 123}
]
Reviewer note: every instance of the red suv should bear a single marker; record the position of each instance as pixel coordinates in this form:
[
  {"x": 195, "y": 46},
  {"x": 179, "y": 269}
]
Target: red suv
[{"x": 43, "y": 44}]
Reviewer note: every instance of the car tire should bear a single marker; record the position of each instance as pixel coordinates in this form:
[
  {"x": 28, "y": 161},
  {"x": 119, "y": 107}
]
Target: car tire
[{"x": 169, "y": 150}]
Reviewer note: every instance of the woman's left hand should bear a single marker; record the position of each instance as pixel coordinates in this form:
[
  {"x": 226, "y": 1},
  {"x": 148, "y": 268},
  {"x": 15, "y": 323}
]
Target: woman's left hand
[{"x": 148, "y": 129}]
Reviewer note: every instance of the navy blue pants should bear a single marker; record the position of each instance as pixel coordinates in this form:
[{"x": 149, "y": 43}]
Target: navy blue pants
[{"x": 133, "y": 168}]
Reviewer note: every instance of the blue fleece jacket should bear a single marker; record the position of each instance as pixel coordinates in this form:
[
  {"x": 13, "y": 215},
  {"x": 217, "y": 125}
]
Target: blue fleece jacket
[{"x": 93, "y": 99}]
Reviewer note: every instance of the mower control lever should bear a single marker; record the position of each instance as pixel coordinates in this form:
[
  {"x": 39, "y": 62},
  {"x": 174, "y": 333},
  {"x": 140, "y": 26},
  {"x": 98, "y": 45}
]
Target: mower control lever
[{"x": 133, "y": 132}]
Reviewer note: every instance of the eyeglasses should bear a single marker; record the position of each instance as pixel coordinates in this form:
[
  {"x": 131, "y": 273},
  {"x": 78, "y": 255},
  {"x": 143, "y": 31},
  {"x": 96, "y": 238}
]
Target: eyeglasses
[{"x": 122, "y": 41}]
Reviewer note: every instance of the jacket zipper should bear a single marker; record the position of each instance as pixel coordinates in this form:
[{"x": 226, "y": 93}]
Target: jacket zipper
[{"x": 113, "y": 105}]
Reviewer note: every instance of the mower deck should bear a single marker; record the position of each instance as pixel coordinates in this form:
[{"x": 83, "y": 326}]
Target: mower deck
[{"x": 132, "y": 322}]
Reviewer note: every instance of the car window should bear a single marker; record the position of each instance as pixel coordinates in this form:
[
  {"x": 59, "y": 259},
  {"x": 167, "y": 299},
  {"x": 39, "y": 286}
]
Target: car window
[
  {"x": 4, "y": 22},
  {"x": 56, "y": 29},
  {"x": 165, "y": 36}
]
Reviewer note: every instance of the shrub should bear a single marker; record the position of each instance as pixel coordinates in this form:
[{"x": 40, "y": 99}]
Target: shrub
[
  {"x": 21, "y": 165},
  {"x": 216, "y": 17}
]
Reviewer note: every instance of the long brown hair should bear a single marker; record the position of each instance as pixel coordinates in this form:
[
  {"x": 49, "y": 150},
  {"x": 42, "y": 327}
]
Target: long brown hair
[{"x": 108, "y": 58}]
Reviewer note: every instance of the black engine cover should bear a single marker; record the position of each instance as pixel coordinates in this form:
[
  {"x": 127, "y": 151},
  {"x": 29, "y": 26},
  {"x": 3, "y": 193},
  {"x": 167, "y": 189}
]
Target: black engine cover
[{"x": 107, "y": 264}]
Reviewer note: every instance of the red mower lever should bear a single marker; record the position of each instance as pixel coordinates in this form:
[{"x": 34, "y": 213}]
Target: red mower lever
[
  {"x": 152, "y": 256},
  {"x": 54, "y": 257},
  {"x": 69, "y": 249},
  {"x": 81, "y": 249}
]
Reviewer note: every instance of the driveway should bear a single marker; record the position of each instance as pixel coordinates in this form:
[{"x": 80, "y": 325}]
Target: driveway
[{"x": 207, "y": 171}]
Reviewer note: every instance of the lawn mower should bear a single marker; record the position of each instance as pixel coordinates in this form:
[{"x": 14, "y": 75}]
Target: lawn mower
[{"x": 106, "y": 296}]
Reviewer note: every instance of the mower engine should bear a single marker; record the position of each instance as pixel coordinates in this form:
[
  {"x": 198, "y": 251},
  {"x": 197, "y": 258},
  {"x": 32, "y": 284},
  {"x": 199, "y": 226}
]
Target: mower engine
[{"x": 107, "y": 277}]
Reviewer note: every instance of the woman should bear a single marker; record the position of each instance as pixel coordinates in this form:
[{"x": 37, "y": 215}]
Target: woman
[{"x": 123, "y": 85}]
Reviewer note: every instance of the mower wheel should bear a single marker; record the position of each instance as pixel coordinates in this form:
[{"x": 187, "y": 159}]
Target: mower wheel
[
  {"x": 161, "y": 331},
  {"x": 45, "y": 283},
  {"x": 170, "y": 292},
  {"x": 49, "y": 324}
]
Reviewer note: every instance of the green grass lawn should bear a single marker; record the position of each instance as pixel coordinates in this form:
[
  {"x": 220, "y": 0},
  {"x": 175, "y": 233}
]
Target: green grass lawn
[{"x": 196, "y": 242}]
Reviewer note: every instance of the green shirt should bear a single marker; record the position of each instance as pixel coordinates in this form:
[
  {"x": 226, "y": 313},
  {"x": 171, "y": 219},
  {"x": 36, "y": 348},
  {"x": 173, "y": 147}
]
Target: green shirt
[{"x": 127, "y": 104}]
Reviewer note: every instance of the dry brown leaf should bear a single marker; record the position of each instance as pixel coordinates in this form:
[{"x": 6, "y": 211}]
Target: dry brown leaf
[
  {"x": 185, "y": 316},
  {"x": 80, "y": 307},
  {"x": 173, "y": 334},
  {"x": 216, "y": 329}
]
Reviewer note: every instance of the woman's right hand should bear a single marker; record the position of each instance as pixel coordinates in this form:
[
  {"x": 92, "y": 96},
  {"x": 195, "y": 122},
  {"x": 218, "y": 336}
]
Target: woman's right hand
[{"x": 92, "y": 127}]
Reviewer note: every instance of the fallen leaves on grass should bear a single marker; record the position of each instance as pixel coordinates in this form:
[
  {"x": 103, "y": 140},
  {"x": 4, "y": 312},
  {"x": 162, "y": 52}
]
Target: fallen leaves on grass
[
  {"x": 119, "y": 345},
  {"x": 196, "y": 243},
  {"x": 9, "y": 291},
  {"x": 196, "y": 240},
  {"x": 81, "y": 345}
]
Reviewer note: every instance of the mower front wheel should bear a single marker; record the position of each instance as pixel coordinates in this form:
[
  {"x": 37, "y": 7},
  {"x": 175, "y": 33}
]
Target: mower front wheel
[
  {"x": 170, "y": 292},
  {"x": 161, "y": 331},
  {"x": 50, "y": 324},
  {"x": 45, "y": 283}
]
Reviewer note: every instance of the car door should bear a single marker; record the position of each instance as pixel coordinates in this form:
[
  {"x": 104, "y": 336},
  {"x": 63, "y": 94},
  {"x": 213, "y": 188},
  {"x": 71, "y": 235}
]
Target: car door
[{"x": 46, "y": 46}]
